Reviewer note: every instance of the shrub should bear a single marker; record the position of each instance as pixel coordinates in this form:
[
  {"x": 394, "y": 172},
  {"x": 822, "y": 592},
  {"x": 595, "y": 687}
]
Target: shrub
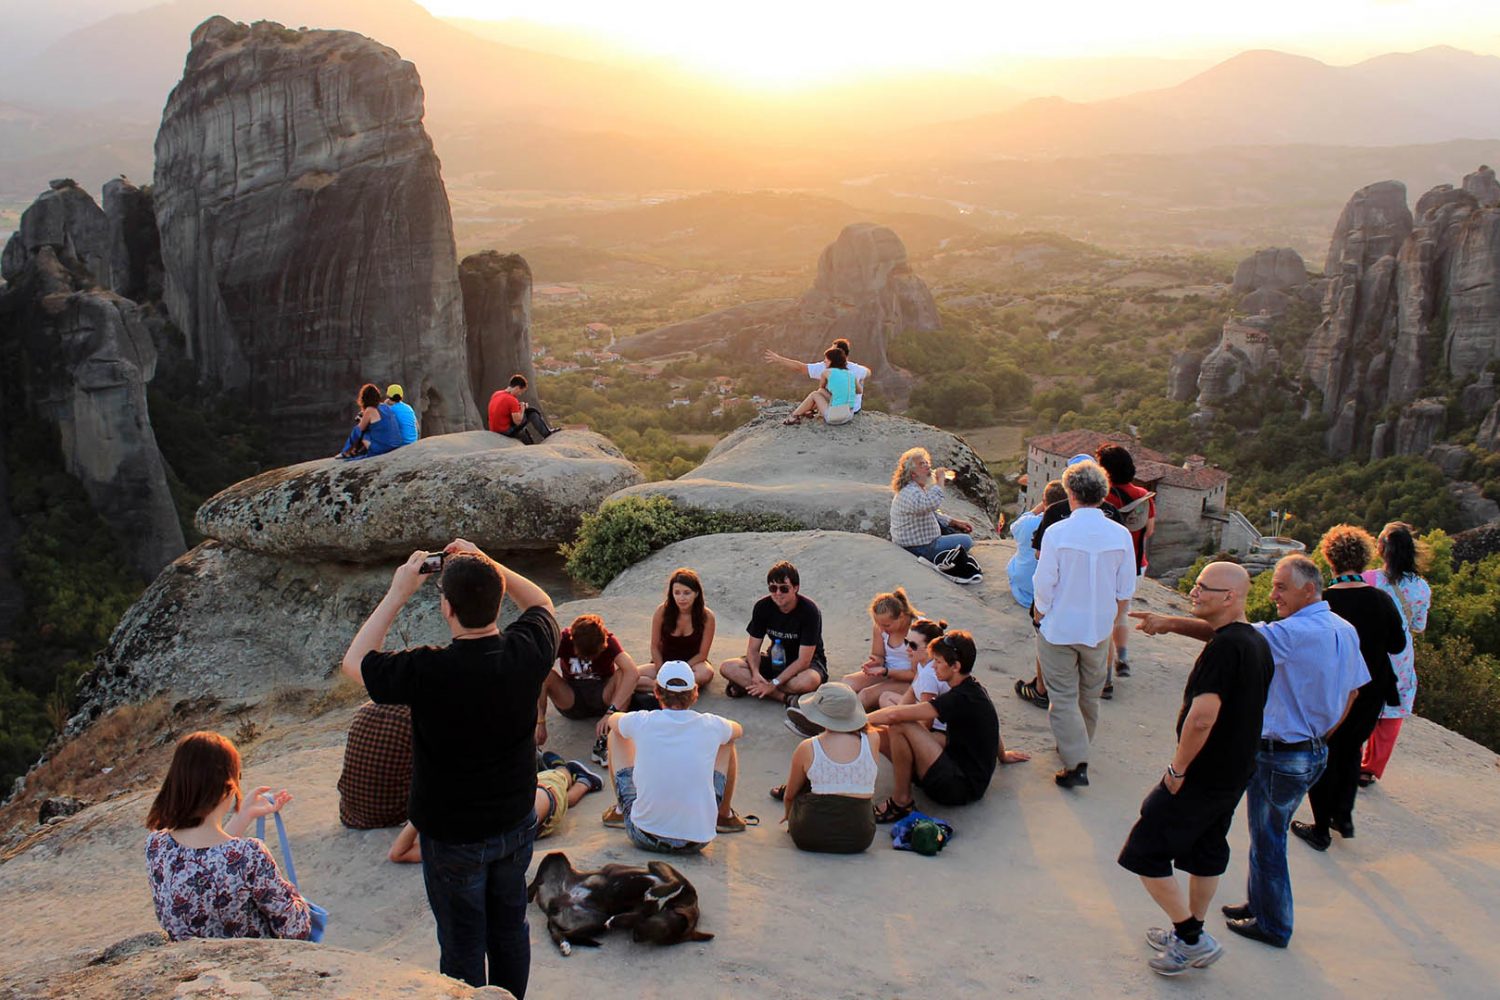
[
  {"x": 625, "y": 531},
  {"x": 1460, "y": 689}
]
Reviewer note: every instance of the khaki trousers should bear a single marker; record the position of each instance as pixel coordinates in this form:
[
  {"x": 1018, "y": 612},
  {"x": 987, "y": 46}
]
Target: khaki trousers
[{"x": 1074, "y": 676}]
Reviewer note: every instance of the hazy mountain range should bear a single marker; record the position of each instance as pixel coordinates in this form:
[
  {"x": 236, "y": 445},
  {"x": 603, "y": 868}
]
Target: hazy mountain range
[{"x": 512, "y": 105}]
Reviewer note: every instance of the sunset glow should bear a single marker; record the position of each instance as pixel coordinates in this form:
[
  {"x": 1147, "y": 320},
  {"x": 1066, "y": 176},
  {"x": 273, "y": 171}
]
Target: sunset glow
[{"x": 781, "y": 43}]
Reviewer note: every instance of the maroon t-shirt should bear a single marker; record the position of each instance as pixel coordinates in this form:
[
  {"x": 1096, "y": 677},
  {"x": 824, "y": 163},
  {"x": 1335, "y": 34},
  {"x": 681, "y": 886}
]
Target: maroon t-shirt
[{"x": 600, "y": 668}]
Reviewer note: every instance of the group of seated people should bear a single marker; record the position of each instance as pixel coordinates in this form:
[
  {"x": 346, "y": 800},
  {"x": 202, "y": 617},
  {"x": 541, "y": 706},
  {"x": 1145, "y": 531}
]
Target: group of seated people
[
  {"x": 913, "y": 700},
  {"x": 385, "y": 423}
]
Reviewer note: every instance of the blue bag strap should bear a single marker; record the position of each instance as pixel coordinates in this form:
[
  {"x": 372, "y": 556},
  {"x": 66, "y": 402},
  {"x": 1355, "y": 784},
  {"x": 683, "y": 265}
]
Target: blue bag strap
[{"x": 286, "y": 845}]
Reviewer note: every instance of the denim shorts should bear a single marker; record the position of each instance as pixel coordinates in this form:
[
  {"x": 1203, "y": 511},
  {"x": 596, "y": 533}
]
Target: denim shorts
[{"x": 625, "y": 793}]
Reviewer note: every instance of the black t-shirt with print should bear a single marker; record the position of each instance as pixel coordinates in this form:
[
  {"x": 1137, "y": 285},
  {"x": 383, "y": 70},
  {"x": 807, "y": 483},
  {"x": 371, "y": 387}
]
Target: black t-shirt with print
[
  {"x": 1236, "y": 665},
  {"x": 803, "y": 626},
  {"x": 473, "y": 715},
  {"x": 973, "y": 731}
]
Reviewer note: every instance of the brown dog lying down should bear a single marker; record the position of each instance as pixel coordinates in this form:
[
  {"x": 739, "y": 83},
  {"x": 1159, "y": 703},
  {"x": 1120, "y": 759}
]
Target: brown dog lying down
[{"x": 656, "y": 902}]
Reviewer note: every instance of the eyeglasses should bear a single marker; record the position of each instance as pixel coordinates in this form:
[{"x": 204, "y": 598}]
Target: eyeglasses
[
  {"x": 1215, "y": 590},
  {"x": 779, "y": 588}
]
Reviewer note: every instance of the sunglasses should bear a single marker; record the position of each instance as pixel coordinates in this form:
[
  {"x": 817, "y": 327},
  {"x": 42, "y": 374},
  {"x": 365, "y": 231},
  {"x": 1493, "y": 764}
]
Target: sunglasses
[
  {"x": 1215, "y": 590},
  {"x": 913, "y": 645},
  {"x": 779, "y": 588}
]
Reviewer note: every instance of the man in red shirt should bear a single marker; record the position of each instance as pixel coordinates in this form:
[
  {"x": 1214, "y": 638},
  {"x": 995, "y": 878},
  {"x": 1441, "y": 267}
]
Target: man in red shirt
[
  {"x": 594, "y": 678},
  {"x": 1119, "y": 466},
  {"x": 513, "y": 417}
]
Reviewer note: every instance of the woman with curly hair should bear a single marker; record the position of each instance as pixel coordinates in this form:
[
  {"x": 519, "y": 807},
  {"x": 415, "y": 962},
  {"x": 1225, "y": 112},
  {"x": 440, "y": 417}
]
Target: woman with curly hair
[
  {"x": 1349, "y": 550},
  {"x": 1398, "y": 578},
  {"x": 919, "y": 527}
]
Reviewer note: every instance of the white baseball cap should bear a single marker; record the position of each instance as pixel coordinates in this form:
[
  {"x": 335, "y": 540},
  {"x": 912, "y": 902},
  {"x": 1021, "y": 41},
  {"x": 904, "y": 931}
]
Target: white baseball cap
[{"x": 675, "y": 675}]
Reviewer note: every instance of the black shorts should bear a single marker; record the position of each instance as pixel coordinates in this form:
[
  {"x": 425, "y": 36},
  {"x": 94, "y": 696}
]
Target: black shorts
[
  {"x": 946, "y": 783},
  {"x": 771, "y": 675},
  {"x": 588, "y": 699},
  {"x": 1190, "y": 829}
]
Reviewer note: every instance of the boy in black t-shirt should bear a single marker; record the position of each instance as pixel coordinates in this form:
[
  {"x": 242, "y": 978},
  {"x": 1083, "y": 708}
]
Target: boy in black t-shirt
[
  {"x": 955, "y": 773},
  {"x": 1185, "y": 819},
  {"x": 473, "y": 760},
  {"x": 784, "y": 619}
]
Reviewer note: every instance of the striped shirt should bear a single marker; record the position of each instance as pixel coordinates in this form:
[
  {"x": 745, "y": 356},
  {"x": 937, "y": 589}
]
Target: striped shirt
[{"x": 915, "y": 518}]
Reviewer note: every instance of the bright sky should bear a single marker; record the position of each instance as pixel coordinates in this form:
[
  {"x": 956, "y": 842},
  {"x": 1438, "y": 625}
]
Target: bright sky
[{"x": 795, "y": 41}]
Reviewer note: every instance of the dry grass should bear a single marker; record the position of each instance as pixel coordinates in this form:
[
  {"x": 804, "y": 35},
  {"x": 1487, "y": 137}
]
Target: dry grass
[
  {"x": 342, "y": 694},
  {"x": 996, "y": 444}
]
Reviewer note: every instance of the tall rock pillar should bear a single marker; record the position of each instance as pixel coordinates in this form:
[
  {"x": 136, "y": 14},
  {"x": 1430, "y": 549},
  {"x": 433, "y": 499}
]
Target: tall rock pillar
[{"x": 497, "y": 313}]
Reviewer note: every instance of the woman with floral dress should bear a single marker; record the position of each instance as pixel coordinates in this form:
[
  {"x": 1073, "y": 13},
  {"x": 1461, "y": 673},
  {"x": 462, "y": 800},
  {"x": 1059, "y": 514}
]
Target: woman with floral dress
[
  {"x": 208, "y": 880},
  {"x": 1398, "y": 578}
]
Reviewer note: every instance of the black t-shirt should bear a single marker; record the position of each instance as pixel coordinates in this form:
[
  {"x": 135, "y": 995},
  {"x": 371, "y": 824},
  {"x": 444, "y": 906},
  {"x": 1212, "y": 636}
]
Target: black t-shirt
[
  {"x": 1057, "y": 511},
  {"x": 973, "y": 731},
  {"x": 1236, "y": 665},
  {"x": 473, "y": 715},
  {"x": 802, "y": 627},
  {"x": 1378, "y": 621}
]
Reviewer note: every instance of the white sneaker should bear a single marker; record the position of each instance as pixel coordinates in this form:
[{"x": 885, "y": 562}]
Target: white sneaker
[{"x": 1178, "y": 957}]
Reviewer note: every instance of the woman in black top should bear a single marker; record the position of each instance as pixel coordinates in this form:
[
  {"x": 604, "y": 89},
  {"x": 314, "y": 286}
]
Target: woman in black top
[{"x": 1375, "y": 617}]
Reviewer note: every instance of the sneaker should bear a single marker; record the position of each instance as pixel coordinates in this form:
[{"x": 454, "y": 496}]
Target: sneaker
[
  {"x": 1122, "y": 668},
  {"x": 600, "y": 754},
  {"x": 1159, "y": 938},
  {"x": 581, "y": 773},
  {"x": 1178, "y": 957},
  {"x": 1108, "y": 692},
  {"x": 549, "y": 759},
  {"x": 801, "y": 725},
  {"x": 613, "y": 817},
  {"x": 1078, "y": 777}
]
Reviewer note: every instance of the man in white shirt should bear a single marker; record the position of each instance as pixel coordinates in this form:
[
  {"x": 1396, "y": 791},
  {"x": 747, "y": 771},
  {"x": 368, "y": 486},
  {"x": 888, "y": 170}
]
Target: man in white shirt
[
  {"x": 1084, "y": 580},
  {"x": 673, "y": 769},
  {"x": 815, "y": 369}
]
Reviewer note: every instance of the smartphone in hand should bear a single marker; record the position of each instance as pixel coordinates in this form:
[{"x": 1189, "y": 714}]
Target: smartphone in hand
[{"x": 433, "y": 563}]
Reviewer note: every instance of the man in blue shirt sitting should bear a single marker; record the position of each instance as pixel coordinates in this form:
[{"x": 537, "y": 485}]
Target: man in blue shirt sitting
[
  {"x": 1318, "y": 672},
  {"x": 406, "y": 417}
]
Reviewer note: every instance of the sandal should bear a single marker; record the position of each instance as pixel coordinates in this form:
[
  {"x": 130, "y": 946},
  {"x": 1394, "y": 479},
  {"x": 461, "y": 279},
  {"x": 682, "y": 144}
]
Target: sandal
[
  {"x": 791, "y": 421},
  {"x": 1366, "y": 779},
  {"x": 734, "y": 823},
  {"x": 892, "y": 811},
  {"x": 779, "y": 793},
  {"x": 1027, "y": 691},
  {"x": 733, "y": 690}
]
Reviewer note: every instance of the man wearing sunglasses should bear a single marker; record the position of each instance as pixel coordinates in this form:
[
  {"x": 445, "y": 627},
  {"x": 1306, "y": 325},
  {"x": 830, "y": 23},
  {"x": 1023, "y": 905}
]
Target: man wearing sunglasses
[
  {"x": 1185, "y": 819},
  {"x": 786, "y": 620}
]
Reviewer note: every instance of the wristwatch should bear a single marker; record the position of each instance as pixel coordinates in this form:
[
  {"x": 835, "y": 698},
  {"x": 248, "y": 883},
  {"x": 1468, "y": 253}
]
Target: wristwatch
[{"x": 776, "y": 682}]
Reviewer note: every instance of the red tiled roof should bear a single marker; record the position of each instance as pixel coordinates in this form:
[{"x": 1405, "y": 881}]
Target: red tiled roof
[
  {"x": 1150, "y": 474},
  {"x": 1077, "y": 442}
]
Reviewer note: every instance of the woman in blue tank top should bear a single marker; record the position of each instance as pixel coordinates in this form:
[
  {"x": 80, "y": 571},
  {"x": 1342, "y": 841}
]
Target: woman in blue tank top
[
  {"x": 833, "y": 399},
  {"x": 377, "y": 432}
]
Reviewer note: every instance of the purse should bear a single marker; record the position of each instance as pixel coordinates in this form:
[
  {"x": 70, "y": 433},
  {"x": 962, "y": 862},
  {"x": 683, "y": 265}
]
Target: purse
[
  {"x": 840, "y": 414},
  {"x": 319, "y": 915}
]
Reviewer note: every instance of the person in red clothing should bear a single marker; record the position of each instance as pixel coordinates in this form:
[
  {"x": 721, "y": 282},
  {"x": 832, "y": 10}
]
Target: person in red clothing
[
  {"x": 594, "y": 678},
  {"x": 514, "y": 417},
  {"x": 1119, "y": 466}
]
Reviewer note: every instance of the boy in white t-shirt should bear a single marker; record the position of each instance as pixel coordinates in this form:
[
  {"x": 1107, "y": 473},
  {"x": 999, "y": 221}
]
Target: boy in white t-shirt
[{"x": 673, "y": 769}]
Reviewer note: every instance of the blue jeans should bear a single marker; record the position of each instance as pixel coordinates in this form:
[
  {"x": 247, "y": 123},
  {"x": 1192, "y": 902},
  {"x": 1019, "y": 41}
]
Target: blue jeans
[
  {"x": 941, "y": 544},
  {"x": 625, "y": 794},
  {"x": 478, "y": 897},
  {"x": 1281, "y": 780}
]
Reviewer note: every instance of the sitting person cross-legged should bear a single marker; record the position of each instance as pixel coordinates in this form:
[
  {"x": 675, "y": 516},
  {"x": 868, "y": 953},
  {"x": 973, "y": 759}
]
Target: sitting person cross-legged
[
  {"x": 560, "y": 785},
  {"x": 593, "y": 679},
  {"x": 925, "y": 685},
  {"x": 375, "y": 781},
  {"x": 681, "y": 629},
  {"x": 795, "y": 663},
  {"x": 673, "y": 769},
  {"x": 888, "y": 668},
  {"x": 955, "y": 772},
  {"x": 832, "y": 779}
]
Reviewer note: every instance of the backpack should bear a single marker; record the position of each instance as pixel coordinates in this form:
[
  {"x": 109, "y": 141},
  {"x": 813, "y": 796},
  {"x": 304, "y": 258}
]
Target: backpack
[{"x": 1134, "y": 513}]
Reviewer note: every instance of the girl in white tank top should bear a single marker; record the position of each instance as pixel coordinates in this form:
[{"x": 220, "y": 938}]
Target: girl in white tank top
[{"x": 831, "y": 777}]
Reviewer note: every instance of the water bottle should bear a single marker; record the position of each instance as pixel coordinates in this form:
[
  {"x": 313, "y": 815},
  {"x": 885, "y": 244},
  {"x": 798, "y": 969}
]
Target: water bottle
[{"x": 778, "y": 656}]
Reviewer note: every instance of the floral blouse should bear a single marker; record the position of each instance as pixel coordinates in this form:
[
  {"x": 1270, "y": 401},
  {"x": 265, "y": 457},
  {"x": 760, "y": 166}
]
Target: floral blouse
[
  {"x": 230, "y": 890},
  {"x": 1413, "y": 597}
]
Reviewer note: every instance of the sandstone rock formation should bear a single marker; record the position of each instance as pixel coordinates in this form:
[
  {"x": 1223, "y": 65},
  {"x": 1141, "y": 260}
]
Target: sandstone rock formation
[
  {"x": 1182, "y": 376},
  {"x": 306, "y": 233},
  {"x": 1411, "y": 300},
  {"x": 135, "y": 244},
  {"x": 1276, "y": 269},
  {"x": 79, "y": 356},
  {"x": 1483, "y": 186},
  {"x": 1244, "y": 349},
  {"x": 497, "y": 313},
  {"x": 835, "y": 478},
  {"x": 1420, "y": 425},
  {"x": 493, "y": 490},
  {"x": 1474, "y": 508},
  {"x": 865, "y": 291},
  {"x": 68, "y": 220},
  {"x": 1489, "y": 430}
]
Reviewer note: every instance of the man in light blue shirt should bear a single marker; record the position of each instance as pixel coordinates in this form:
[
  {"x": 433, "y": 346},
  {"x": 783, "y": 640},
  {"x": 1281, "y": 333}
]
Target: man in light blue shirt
[
  {"x": 406, "y": 417},
  {"x": 1319, "y": 670}
]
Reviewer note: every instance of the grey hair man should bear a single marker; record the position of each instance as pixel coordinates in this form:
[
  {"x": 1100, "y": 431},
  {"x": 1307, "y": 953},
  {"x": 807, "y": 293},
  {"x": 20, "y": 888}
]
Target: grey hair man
[
  {"x": 1318, "y": 672},
  {"x": 1084, "y": 580}
]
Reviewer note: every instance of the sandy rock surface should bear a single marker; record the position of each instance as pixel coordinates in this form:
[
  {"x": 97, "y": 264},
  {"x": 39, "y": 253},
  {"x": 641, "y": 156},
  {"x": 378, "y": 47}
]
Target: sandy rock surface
[
  {"x": 490, "y": 489},
  {"x": 835, "y": 478},
  {"x": 1027, "y": 899}
]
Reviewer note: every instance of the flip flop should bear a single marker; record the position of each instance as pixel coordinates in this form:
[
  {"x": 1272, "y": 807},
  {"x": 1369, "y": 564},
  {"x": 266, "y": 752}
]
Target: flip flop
[
  {"x": 733, "y": 690},
  {"x": 734, "y": 823},
  {"x": 779, "y": 793},
  {"x": 891, "y": 811}
]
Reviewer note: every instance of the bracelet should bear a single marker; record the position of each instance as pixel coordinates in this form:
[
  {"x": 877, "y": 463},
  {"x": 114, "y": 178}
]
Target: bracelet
[
  {"x": 776, "y": 681},
  {"x": 1175, "y": 773}
]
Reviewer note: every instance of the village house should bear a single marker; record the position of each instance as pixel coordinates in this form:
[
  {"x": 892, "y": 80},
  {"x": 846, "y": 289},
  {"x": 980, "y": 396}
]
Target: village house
[
  {"x": 1191, "y": 498},
  {"x": 596, "y": 330}
]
